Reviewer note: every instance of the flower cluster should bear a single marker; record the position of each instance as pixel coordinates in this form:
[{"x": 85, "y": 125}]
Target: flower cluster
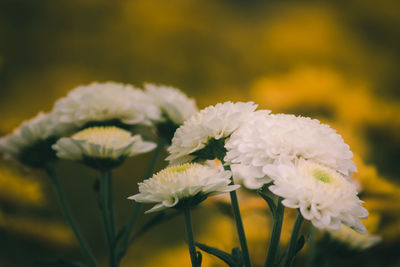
[
  {"x": 304, "y": 163},
  {"x": 89, "y": 106}
]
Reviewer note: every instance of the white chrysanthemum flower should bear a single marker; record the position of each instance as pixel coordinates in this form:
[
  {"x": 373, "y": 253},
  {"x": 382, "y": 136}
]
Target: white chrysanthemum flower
[
  {"x": 354, "y": 240},
  {"x": 183, "y": 185},
  {"x": 210, "y": 126},
  {"x": 323, "y": 195},
  {"x": 105, "y": 102},
  {"x": 31, "y": 142},
  {"x": 101, "y": 147},
  {"x": 268, "y": 140},
  {"x": 175, "y": 105}
]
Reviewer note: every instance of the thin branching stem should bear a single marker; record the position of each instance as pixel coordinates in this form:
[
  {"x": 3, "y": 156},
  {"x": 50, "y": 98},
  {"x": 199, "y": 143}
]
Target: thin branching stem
[
  {"x": 276, "y": 234},
  {"x": 190, "y": 237},
  {"x": 136, "y": 209},
  {"x": 293, "y": 240},
  {"x": 107, "y": 210},
  {"x": 239, "y": 224},
  {"x": 52, "y": 172}
]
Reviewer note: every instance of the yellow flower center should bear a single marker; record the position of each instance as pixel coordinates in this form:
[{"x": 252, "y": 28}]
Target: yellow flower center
[
  {"x": 110, "y": 136},
  {"x": 321, "y": 175},
  {"x": 179, "y": 168}
]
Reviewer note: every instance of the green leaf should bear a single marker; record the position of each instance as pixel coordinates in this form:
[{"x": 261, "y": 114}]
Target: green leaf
[
  {"x": 269, "y": 201},
  {"x": 222, "y": 255}
]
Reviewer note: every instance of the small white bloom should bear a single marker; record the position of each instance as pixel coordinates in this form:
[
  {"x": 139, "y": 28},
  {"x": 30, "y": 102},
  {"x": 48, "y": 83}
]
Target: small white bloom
[
  {"x": 210, "y": 124},
  {"x": 268, "y": 140},
  {"x": 175, "y": 105},
  {"x": 31, "y": 142},
  {"x": 354, "y": 240},
  {"x": 182, "y": 185},
  {"x": 102, "y": 102},
  {"x": 101, "y": 147},
  {"x": 241, "y": 174},
  {"x": 323, "y": 195},
  {"x": 245, "y": 175}
]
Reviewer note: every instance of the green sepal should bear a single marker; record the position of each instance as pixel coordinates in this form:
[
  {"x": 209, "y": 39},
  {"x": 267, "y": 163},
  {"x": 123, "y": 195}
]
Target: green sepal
[
  {"x": 103, "y": 164},
  {"x": 191, "y": 201},
  {"x": 106, "y": 123}
]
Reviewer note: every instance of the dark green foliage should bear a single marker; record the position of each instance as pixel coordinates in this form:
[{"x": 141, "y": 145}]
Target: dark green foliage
[
  {"x": 215, "y": 149},
  {"x": 38, "y": 154}
]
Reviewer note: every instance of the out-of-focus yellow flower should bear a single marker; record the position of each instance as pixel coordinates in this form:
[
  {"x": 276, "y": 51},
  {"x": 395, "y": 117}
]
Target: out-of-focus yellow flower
[
  {"x": 326, "y": 92},
  {"x": 18, "y": 190},
  {"x": 38, "y": 230},
  {"x": 372, "y": 184}
]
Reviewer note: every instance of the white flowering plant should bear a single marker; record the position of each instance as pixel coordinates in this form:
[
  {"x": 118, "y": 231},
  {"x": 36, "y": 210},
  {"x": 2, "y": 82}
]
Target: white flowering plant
[{"x": 289, "y": 161}]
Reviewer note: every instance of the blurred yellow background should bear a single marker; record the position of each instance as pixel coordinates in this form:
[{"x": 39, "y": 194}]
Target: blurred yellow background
[{"x": 337, "y": 61}]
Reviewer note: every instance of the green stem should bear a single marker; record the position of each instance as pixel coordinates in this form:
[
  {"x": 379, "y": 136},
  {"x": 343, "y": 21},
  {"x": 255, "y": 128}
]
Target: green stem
[
  {"x": 293, "y": 240},
  {"x": 108, "y": 214},
  {"x": 52, "y": 172},
  {"x": 111, "y": 203},
  {"x": 189, "y": 232},
  {"x": 312, "y": 248},
  {"x": 125, "y": 239},
  {"x": 135, "y": 211},
  {"x": 239, "y": 224},
  {"x": 276, "y": 234},
  {"x": 154, "y": 158}
]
